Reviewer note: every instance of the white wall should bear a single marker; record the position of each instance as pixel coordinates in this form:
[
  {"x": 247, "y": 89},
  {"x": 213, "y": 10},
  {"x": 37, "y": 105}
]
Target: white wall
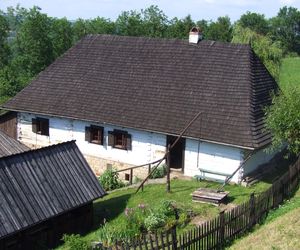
[
  {"x": 258, "y": 158},
  {"x": 146, "y": 146},
  {"x": 212, "y": 157}
]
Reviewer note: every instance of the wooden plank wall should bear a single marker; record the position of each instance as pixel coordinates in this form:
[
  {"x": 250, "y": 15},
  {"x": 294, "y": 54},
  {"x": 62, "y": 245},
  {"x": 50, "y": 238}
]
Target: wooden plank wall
[{"x": 8, "y": 124}]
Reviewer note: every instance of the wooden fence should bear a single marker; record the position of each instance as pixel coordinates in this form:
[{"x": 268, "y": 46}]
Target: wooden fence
[{"x": 215, "y": 233}]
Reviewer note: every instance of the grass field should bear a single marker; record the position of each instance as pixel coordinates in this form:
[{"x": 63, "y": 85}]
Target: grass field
[
  {"x": 281, "y": 229},
  {"x": 290, "y": 72}
]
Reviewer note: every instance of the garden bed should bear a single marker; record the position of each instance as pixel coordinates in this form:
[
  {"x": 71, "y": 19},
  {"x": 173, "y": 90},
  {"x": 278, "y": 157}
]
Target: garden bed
[{"x": 120, "y": 207}]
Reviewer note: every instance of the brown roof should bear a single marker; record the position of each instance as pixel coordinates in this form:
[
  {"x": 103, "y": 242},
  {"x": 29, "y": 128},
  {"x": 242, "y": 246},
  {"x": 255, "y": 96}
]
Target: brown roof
[
  {"x": 40, "y": 184},
  {"x": 9, "y": 145},
  {"x": 157, "y": 85}
]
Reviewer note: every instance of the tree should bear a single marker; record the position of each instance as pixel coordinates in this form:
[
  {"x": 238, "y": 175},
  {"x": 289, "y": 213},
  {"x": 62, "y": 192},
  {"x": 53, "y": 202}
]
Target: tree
[
  {"x": 61, "y": 34},
  {"x": 180, "y": 28},
  {"x": 283, "y": 119},
  {"x": 268, "y": 51},
  {"x": 100, "y": 25},
  {"x": 130, "y": 23},
  {"x": 4, "y": 49},
  {"x": 79, "y": 29},
  {"x": 155, "y": 22},
  {"x": 285, "y": 27},
  {"x": 255, "y": 22},
  {"x": 221, "y": 30},
  {"x": 34, "y": 44}
]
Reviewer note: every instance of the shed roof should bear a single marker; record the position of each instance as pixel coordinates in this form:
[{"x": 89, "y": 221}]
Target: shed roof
[
  {"x": 9, "y": 145},
  {"x": 43, "y": 183},
  {"x": 157, "y": 85}
]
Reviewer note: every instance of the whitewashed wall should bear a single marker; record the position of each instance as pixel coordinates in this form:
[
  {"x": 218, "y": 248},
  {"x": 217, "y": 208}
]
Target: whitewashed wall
[
  {"x": 258, "y": 158},
  {"x": 211, "y": 157},
  {"x": 146, "y": 146}
]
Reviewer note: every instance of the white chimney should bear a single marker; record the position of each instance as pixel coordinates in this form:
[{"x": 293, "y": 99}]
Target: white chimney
[{"x": 195, "y": 35}]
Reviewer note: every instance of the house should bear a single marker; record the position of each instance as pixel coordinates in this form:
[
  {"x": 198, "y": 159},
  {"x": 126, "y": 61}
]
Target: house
[
  {"x": 45, "y": 193},
  {"x": 124, "y": 99}
]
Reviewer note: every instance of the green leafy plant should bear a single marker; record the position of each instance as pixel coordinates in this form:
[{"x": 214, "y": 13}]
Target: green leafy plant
[
  {"x": 154, "y": 221},
  {"x": 159, "y": 172},
  {"x": 110, "y": 180},
  {"x": 75, "y": 242}
]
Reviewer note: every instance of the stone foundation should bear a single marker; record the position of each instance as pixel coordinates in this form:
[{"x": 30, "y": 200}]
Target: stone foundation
[{"x": 99, "y": 165}]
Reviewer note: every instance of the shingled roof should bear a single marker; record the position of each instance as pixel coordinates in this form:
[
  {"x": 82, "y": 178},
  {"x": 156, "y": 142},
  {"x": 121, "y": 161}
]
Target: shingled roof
[
  {"x": 9, "y": 145},
  {"x": 40, "y": 184},
  {"x": 157, "y": 85}
]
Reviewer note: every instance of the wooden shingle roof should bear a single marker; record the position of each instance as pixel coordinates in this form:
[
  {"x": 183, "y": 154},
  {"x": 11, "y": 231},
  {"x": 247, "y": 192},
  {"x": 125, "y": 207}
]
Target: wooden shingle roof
[
  {"x": 40, "y": 184},
  {"x": 157, "y": 85},
  {"x": 9, "y": 145}
]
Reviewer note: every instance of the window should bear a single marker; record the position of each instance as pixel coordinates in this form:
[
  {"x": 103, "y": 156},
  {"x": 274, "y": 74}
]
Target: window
[
  {"x": 94, "y": 134},
  {"x": 40, "y": 126},
  {"x": 119, "y": 139}
]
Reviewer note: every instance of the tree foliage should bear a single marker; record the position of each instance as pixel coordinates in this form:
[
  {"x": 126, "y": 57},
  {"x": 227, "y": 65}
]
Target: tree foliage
[
  {"x": 268, "y": 51},
  {"x": 33, "y": 41},
  {"x": 221, "y": 30},
  {"x": 4, "y": 49},
  {"x": 283, "y": 119},
  {"x": 285, "y": 27},
  {"x": 254, "y": 21}
]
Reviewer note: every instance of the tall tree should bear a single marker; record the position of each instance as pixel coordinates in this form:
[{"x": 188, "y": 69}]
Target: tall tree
[
  {"x": 268, "y": 51},
  {"x": 100, "y": 25},
  {"x": 130, "y": 23},
  {"x": 285, "y": 27},
  {"x": 80, "y": 29},
  {"x": 34, "y": 43},
  {"x": 254, "y": 21},
  {"x": 155, "y": 22},
  {"x": 179, "y": 28},
  {"x": 61, "y": 34},
  {"x": 221, "y": 30},
  {"x": 4, "y": 49}
]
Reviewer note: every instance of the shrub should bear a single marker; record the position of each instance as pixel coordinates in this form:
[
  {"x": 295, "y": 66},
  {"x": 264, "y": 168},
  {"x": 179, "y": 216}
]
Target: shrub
[
  {"x": 75, "y": 242},
  {"x": 110, "y": 180},
  {"x": 159, "y": 172},
  {"x": 154, "y": 221}
]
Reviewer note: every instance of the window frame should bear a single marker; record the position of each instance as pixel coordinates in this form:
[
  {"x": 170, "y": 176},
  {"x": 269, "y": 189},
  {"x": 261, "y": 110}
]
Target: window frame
[
  {"x": 120, "y": 139},
  {"x": 94, "y": 131},
  {"x": 40, "y": 126}
]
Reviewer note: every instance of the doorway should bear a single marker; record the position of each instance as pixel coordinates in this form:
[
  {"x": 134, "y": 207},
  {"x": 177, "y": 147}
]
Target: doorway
[{"x": 177, "y": 152}]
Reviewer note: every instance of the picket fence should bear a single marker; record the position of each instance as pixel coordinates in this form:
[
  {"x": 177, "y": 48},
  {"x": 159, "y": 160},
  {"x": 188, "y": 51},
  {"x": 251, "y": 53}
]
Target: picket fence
[{"x": 228, "y": 225}]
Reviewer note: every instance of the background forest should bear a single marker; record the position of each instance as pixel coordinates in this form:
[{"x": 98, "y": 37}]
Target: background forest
[{"x": 30, "y": 41}]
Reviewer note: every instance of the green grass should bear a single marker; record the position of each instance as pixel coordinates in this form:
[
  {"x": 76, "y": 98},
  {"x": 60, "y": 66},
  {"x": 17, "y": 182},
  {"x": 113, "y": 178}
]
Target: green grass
[
  {"x": 289, "y": 72},
  {"x": 281, "y": 229},
  {"x": 112, "y": 206}
]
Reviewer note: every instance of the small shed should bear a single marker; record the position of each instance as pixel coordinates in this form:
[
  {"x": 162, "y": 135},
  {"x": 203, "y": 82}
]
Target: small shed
[{"x": 45, "y": 193}]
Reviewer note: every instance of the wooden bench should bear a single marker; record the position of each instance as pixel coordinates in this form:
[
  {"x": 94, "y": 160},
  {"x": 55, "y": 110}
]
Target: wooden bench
[{"x": 202, "y": 177}]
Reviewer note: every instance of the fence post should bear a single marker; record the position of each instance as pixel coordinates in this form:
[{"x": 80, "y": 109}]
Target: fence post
[
  {"x": 149, "y": 169},
  {"x": 252, "y": 210},
  {"x": 131, "y": 176},
  {"x": 222, "y": 229},
  {"x": 174, "y": 238}
]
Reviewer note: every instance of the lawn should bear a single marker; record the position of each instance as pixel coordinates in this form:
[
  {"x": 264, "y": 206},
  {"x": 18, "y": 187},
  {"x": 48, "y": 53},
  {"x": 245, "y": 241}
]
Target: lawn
[
  {"x": 281, "y": 229},
  {"x": 112, "y": 207},
  {"x": 289, "y": 72}
]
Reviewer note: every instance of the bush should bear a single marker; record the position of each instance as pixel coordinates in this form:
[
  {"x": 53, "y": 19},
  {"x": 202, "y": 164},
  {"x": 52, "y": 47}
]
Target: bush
[
  {"x": 110, "y": 180},
  {"x": 75, "y": 242},
  {"x": 159, "y": 172},
  {"x": 154, "y": 221}
]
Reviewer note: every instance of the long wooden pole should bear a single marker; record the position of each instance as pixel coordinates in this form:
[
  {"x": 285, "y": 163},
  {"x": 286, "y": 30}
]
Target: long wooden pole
[{"x": 168, "y": 150}]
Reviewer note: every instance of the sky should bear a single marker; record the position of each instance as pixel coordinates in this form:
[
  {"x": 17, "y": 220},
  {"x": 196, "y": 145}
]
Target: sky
[{"x": 198, "y": 9}]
